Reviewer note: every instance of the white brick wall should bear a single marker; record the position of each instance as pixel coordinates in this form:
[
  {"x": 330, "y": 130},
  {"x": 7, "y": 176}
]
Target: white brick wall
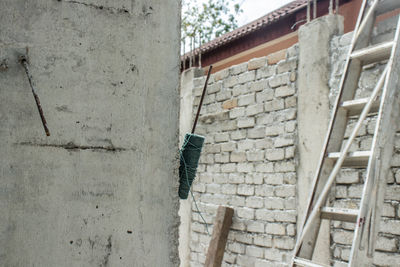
[
  {"x": 248, "y": 162},
  {"x": 249, "y": 119}
]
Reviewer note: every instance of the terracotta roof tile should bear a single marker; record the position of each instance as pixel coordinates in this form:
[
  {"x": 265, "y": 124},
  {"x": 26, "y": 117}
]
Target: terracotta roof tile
[{"x": 253, "y": 26}]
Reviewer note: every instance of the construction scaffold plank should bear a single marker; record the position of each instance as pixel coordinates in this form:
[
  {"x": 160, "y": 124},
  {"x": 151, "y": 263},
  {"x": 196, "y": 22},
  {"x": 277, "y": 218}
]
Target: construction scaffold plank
[{"x": 216, "y": 249}]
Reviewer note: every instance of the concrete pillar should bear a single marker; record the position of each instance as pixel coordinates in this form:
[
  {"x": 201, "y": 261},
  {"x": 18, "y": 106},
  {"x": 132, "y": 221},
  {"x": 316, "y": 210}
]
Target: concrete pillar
[
  {"x": 185, "y": 126},
  {"x": 102, "y": 189},
  {"x": 313, "y": 110}
]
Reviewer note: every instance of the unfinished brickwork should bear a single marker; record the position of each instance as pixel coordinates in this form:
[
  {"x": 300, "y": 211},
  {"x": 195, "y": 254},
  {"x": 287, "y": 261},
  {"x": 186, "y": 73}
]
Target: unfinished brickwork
[
  {"x": 350, "y": 182},
  {"x": 248, "y": 162}
]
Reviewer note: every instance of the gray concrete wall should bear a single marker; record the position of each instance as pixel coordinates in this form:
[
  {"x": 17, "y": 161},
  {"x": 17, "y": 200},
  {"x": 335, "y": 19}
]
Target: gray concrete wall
[
  {"x": 102, "y": 189},
  {"x": 314, "y": 112}
]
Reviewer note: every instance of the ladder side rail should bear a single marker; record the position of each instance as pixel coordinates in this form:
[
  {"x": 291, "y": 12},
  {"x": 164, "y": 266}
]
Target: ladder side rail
[
  {"x": 305, "y": 237},
  {"x": 373, "y": 208},
  {"x": 350, "y": 78},
  {"x": 382, "y": 149},
  {"x": 351, "y": 75},
  {"x": 336, "y": 107},
  {"x": 368, "y": 17},
  {"x": 324, "y": 165}
]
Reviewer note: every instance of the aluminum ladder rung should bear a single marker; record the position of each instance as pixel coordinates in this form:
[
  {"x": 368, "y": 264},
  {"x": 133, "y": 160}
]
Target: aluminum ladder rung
[
  {"x": 339, "y": 214},
  {"x": 386, "y": 6},
  {"x": 374, "y": 53},
  {"x": 306, "y": 263},
  {"x": 358, "y": 159},
  {"x": 384, "y": 99},
  {"x": 340, "y": 263},
  {"x": 356, "y": 106}
]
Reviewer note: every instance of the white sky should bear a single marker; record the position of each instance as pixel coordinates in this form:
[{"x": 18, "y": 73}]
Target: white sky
[{"x": 253, "y": 9}]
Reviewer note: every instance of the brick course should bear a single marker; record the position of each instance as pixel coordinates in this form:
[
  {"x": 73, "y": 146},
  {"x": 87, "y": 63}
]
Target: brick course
[{"x": 249, "y": 159}]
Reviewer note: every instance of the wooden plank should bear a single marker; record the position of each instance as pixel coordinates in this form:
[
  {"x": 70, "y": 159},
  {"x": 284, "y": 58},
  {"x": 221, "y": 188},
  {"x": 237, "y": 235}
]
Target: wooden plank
[
  {"x": 339, "y": 214},
  {"x": 374, "y": 53},
  {"x": 216, "y": 249}
]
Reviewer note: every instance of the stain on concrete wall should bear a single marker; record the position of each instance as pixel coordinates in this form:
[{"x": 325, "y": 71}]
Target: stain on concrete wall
[{"x": 102, "y": 189}]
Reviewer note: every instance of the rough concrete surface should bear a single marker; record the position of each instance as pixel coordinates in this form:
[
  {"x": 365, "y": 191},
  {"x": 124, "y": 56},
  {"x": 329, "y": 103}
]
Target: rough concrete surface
[
  {"x": 102, "y": 189},
  {"x": 314, "y": 111}
]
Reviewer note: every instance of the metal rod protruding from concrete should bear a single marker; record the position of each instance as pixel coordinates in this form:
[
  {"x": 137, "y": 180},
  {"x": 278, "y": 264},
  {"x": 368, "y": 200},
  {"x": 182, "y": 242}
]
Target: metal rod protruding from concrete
[
  {"x": 314, "y": 9},
  {"x": 24, "y": 63},
  {"x": 308, "y": 11},
  {"x": 337, "y": 7},
  {"x": 201, "y": 100},
  {"x": 199, "y": 49},
  {"x": 330, "y": 7}
]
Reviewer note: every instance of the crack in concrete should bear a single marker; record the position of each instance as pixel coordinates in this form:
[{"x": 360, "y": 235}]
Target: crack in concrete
[
  {"x": 72, "y": 146},
  {"x": 109, "y": 9}
]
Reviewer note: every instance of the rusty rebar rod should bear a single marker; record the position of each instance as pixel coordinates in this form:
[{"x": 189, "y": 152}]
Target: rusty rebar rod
[
  {"x": 24, "y": 63},
  {"x": 201, "y": 99},
  {"x": 314, "y": 9},
  {"x": 337, "y": 7}
]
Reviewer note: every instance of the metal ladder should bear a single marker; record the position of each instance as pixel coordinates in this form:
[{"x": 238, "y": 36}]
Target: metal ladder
[{"x": 385, "y": 101}]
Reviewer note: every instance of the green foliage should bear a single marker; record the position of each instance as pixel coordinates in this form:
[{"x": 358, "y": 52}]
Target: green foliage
[{"x": 208, "y": 20}]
